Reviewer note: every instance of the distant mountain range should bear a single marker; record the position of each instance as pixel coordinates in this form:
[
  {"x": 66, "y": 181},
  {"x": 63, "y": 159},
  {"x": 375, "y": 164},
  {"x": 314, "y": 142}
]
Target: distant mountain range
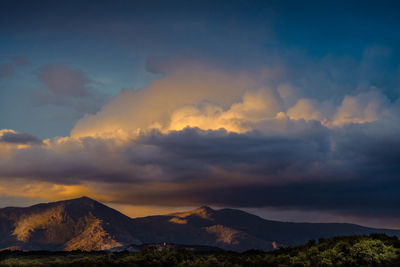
[{"x": 86, "y": 224}]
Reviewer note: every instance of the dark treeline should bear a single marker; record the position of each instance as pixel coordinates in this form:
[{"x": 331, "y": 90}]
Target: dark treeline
[{"x": 373, "y": 250}]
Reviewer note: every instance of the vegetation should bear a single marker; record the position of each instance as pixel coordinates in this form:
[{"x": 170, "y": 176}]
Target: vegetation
[{"x": 373, "y": 250}]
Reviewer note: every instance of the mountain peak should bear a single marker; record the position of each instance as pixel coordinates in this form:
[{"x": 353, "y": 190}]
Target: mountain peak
[
  {"x": 204, "y": 212},
  {"x": 205, "y": 209},
  {"x": 84, "y": 201},
  {"x": 83, "y": 198}
]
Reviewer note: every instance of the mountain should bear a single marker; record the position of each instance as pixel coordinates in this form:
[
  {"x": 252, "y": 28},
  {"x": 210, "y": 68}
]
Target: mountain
[
  {"x": 86, "y": 224},
  {"x": 65, "y": 225},
  {"x": 237, "y": 230}
]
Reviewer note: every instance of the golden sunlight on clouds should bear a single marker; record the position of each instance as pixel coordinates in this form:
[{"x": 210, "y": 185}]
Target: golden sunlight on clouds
[
  {"x": 3, "y": 131},
  {"x": 362, "y": 108},
  {"x": 255, "y": 107},
  {"x": 366, "y": 107},
  {"x": 306, "y": 109},
  {"x": 134, "y": 110},
  {"x": 210, "y": 99},
  {"x": 134, "y": 211},
  {"x": 49, "y": 191}
]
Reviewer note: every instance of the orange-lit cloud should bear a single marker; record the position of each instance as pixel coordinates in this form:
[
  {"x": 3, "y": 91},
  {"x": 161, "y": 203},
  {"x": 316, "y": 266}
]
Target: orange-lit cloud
[
  {"x": 152, "y": 106},
  {"x": 50, "y": 191},
  {"x": 365, "y": 107},
  {"x": 212, "y": 99},
  {"x": 254, "y": 107},
  {"x": 134, "y": 211}
]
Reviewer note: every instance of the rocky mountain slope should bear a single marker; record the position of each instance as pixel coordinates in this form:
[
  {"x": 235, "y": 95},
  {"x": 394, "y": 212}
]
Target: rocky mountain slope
[
  {"x": 86, "y": 224},
  {"x": 66, "y": 225}
]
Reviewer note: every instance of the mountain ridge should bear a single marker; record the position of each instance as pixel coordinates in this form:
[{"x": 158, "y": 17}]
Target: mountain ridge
[{"x": 86, "y": 224}]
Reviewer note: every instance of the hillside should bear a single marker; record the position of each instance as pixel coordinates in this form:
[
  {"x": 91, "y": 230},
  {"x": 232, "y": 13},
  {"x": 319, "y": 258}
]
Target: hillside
[{"x": 373, "y": 250}]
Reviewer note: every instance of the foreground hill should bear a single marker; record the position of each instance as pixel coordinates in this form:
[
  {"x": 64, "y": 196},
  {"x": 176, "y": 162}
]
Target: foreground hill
[
  {"x": 86, "y": 224},
  {"x": 374, "y": 250}
]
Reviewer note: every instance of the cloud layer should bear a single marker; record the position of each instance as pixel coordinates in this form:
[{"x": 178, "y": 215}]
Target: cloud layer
[{"x": 202, "y": 136}]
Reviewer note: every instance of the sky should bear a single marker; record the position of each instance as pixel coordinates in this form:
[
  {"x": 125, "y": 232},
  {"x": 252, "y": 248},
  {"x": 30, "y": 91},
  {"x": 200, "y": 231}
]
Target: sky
[{"x": 286, "y": 109}]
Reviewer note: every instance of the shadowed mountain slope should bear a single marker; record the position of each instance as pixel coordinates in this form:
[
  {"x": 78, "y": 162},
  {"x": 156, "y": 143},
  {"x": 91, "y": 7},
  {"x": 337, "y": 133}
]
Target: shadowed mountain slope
[
  {"x": 238, "y": 230},
  {"x": 86, "y": 224}
]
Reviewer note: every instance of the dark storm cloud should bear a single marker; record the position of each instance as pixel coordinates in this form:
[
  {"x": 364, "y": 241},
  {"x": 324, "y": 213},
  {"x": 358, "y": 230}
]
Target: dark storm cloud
[
  {"x": 189, "y": 156},
  {"x": 361, "y": 196},
  {"x": 360, "y": 176},
  {"x": 19, "y": 138},
  {"x": 355, "y": 173},
  {"x": 246, "y": 153},
  {"x": 71, "y": 163}
]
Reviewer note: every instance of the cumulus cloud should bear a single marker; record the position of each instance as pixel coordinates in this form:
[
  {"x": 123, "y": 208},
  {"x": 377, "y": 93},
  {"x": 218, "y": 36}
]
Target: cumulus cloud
[
  {"x": 306, "y": 109},
  {"x": 365, "y": 107},
  {"x": 211, "y": 100},
  {"x": 239, "y": 117},
  {"x": 153, "y": 106},
  {"x": 354, "y": 109}
]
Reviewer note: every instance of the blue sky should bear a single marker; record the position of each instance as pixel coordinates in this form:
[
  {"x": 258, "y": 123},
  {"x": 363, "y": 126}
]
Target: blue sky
[{"x": 322, "y": 44}]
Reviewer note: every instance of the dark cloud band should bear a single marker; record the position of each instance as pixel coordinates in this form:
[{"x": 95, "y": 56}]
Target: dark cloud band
[
  {"x": 19, "y": 138},
  {"x": 352, "y": 173}
]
